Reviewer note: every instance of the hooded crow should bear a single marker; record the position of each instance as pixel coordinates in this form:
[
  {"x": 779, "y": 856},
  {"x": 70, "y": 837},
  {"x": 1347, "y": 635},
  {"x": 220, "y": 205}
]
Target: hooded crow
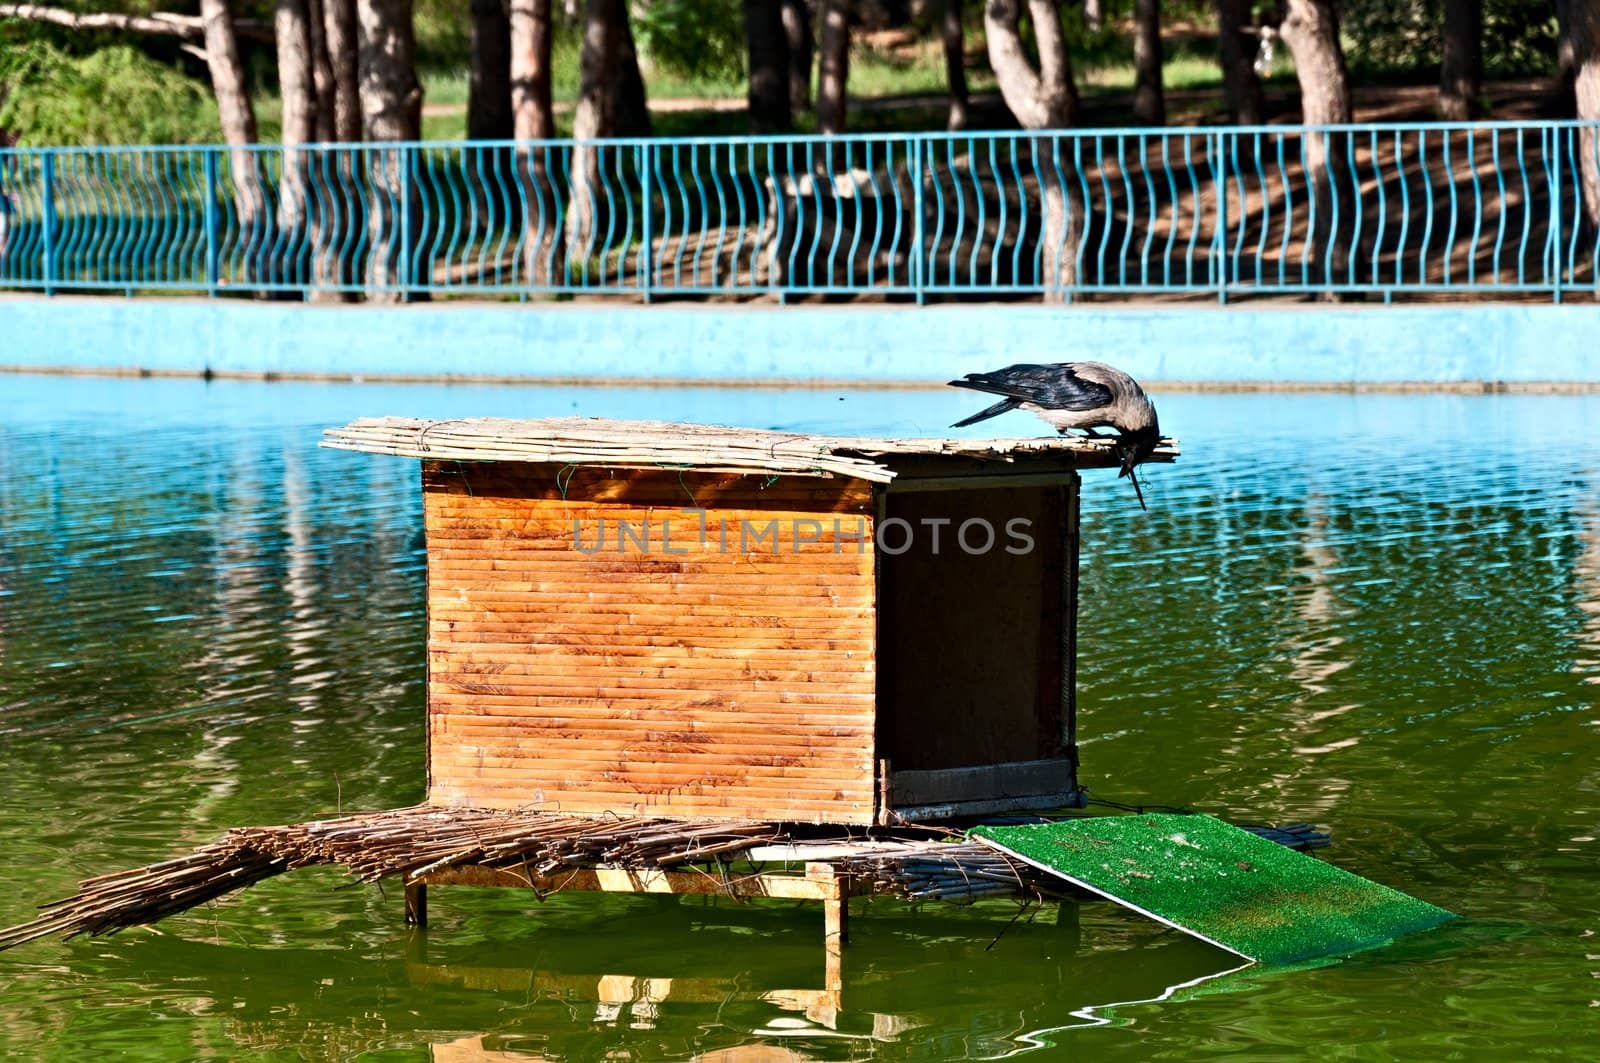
[{"x": 1085, "y": 395}]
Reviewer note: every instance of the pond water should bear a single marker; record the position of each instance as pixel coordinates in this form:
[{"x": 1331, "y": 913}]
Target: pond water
[{"x": 1378, "y": 613}]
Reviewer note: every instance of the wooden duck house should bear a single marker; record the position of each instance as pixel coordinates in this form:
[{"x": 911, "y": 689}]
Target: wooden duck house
[
  {"x": 679, "y": 621},
  {"x": 654, "y": 649}
]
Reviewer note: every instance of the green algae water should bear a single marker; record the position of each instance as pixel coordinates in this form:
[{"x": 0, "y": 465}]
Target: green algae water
[{"x": 1377, "y": 613}]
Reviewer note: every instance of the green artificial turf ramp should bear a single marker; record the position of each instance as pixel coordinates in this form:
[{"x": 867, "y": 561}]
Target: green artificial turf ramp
[{"x": 1224, "y": 885}]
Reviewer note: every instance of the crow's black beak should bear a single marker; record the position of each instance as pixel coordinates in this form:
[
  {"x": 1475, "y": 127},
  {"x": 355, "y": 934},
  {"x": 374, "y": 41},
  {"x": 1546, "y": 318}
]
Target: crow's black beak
[
  {"x": 1134, "y": 477},
  {"x": 1131, "y": 453}
]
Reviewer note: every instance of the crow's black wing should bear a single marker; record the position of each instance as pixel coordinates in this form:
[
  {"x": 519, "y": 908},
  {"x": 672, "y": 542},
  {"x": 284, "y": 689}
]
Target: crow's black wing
[{"x": 1055, "y": 387}]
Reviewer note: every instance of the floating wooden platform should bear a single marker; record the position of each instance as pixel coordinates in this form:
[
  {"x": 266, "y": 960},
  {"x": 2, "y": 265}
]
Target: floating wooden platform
[
  {"x": 426, "y": 845},
  {"x": 544, "y": 851}
]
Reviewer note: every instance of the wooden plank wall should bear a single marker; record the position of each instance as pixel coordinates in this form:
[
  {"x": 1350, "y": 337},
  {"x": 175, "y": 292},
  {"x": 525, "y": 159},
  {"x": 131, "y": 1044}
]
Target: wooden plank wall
[{"x": 705, "y": 674}]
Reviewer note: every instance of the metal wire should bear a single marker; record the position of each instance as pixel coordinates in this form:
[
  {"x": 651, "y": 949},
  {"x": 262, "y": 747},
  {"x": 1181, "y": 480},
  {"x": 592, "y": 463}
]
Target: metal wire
[{"x": 1487, "y": 208}]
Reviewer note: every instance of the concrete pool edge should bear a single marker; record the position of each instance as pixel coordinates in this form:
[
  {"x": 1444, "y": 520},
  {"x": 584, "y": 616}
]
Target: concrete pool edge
[{"x": 1455, "y": 347}]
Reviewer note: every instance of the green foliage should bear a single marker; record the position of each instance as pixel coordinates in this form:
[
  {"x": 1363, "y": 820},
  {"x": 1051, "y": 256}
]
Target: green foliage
[
  {"x": 116, "y": 95},
  {"x": 693, "y": 38},
  {"x": 1519, "y": 37},
  {"x": 443, "y": 31},
  {"x": 1402, "y": 36}
]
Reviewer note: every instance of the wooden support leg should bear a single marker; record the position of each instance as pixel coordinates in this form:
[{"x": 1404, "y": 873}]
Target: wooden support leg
[
  {"x": 831, "y": 1002},
  {"x": 835, "y": 902},
  {"x": 416, "y": 904},
  {"x": 835, "y": 929},
  {"x": 836, "y": 919}
]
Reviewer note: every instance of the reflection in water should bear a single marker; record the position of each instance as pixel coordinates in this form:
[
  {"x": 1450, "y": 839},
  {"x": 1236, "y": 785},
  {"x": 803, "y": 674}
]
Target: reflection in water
[
  {"x": 1586, "y": 586},
  {"x": 1314, "y": 642},
  {"x": 1106, "y": 1014},
  {"x": 638, "y": 1004},
  {"x": 1353, "y": 609},
  {"x": 1319, "y": 609},
  {"x": 722, "y": 999},
  {"x": 650, "y": 981}
]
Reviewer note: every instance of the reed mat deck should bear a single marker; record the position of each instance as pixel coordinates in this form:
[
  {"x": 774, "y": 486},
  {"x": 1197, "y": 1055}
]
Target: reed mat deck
[
  {"x": 1228, "y": 886},
  {"x": 538, "y": 847}
]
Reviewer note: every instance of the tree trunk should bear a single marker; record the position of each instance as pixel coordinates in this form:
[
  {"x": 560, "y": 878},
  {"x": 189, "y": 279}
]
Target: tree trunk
[
  {"x": 1311, "y": 30},
  {"x": 955, "y": 64},
  {"x": 234, "y": 110},
  {"x": 297, "y": 90},
  {"x": 489, "y": 106},
  {"x": 1149, "y": 105},
  {"x": 1562, "y": 103},
  {"x": 595, "y": 117},
  {"x": 391, "y": 107},
  {"x": 532, "y": 115},
  {"x": 1041, "y": 99},
  {"x": 238, "y": 119},
  {"x": 321, "y": 72},
  {"x": 391, "y": 98},
  {"x": 296, "y": 77},
  {"x": 489, "y": 77},
  {"x": 1094, "y": 14},
  {"x": 1582, "y": 38},
  {"x": 1236, "y": 55},
  {"x": 534, "y": 119},
  {"x": 339, "y": 27},
  {"x": 633, "y": 108},
  {"x": 1461, "y": 66},
  {"x": 834, "y": 72},
  {"x": 333, "y": 172},
  {"x": 797, "y": 36},
  {"x": 769, "y": 66}
]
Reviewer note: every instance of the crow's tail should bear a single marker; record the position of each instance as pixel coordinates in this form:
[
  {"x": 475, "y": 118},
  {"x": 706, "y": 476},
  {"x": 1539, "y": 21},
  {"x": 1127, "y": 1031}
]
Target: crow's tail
[{"x": 1003, "y": 406}]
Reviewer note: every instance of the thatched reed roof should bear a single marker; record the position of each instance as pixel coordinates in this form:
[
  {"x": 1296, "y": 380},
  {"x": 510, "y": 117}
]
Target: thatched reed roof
[{"x": 661, "y": 444}]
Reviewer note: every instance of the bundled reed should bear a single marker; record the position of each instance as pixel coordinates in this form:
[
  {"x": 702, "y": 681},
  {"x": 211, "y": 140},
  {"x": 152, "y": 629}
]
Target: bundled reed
[
  {"x": 407, "y": 841},
  {"x": 109, "y": 903}
]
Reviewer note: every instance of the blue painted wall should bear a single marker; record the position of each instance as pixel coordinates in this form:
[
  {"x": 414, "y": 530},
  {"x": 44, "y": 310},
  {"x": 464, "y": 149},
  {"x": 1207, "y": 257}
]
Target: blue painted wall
[{"x": 867, "y": 344}]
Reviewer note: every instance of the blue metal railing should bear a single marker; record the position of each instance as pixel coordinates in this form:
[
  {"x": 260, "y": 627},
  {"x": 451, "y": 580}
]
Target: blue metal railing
[{"x": 1487, "y": 208}]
